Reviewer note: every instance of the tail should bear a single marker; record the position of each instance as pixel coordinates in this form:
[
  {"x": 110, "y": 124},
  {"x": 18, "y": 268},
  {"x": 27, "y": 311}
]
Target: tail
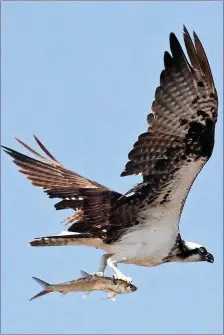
[
  {"x": 45, "y": 285},
  {"x": 67, "y": 238}
]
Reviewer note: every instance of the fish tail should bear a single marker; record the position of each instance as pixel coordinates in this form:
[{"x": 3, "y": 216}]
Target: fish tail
[{"x": 45, "y": 285}]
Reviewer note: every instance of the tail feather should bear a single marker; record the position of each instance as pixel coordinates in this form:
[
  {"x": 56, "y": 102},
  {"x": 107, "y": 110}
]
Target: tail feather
[
  {"x": 67, "y": 239},
  {"x": 45, "y": 285}
]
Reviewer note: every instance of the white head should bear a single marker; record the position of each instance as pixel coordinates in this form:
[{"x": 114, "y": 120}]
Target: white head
[{"x": 197, "y": 253}]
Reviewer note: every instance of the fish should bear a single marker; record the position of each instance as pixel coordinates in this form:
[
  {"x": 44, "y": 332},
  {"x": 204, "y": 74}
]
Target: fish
[{"x": 87, "y": 283}]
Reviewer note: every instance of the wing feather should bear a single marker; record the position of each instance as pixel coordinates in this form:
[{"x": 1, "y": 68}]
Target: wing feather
[
  {"x": 185, "y": 103},
  {"x": 179, "y": 140},
  {"x": 178, "y": 143},
  {"x": 48, "y": 173},
  {"x": 91, "y": 200}
]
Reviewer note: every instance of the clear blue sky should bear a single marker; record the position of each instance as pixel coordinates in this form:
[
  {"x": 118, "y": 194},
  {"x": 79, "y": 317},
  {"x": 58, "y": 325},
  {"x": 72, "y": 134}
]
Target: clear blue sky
[{"x": 82, "y": 77}]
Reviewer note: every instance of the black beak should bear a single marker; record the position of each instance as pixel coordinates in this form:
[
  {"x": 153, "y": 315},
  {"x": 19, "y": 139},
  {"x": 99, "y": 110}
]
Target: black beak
[
  {"x": 209, "y": 258},
  {"x": 133, "y": 288}
]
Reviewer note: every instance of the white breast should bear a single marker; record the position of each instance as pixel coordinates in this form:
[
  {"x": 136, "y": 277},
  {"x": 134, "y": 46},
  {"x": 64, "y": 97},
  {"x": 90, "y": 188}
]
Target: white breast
[{"x": 148, "y": 243}]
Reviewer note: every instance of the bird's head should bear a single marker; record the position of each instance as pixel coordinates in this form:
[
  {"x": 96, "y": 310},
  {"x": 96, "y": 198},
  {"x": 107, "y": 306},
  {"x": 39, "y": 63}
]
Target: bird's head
[{"x": 197, "y": 253}]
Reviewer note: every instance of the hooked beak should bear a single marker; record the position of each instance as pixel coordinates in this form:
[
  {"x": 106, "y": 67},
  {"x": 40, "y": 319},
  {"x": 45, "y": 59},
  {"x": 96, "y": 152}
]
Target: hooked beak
[
  {"x": 209, "y": 258},
  {"x": 133, "y": 288}
]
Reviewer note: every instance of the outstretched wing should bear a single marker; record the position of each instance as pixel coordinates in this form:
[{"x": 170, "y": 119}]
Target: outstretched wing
[
  {"x": 183, "y": 116},
  {"x": 169, "y": 156},
  {"x": 90, "y": 199},
  {"x": 180, "y": 137}
]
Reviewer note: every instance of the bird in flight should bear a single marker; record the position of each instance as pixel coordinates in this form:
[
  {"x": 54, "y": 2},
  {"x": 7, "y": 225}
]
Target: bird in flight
[{"x": 142, "y": 226}]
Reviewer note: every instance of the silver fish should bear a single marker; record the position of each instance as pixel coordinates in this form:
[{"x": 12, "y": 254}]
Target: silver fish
[{"x": 87, "y": 283}]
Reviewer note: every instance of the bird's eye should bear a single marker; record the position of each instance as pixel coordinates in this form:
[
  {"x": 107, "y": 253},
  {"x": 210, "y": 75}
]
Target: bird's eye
[{"x": 202, "y": 250}]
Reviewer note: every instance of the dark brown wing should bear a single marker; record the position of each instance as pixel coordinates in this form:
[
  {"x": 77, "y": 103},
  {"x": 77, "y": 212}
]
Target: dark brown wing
[
  {"x": 91, "y": 199},
  {"x": 179, "y": 140},
  {"x": 95, "y": 207},
  {"x": 184, "y": 113},
  {"x": 48, "y": 173}
]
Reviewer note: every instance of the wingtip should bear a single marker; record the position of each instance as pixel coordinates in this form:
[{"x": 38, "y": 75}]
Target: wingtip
[
  {"x": 36, "y": 138},
  {"x": 185, "y": 30},
  {"x": 195, "y": 36},
  {"x": 173, "y": 40},
  {"x": 7, "y": 150},
  {"x": 45, "y": 150},
  {"x": 172, "y": 35},
  {"x": 18, "y": 140}
]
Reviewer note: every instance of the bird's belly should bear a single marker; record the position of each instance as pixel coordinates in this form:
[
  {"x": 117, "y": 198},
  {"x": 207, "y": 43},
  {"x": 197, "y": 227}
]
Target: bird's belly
[
  {"x": 150, "y": 261},
  {"x": 148, "y": 243}
]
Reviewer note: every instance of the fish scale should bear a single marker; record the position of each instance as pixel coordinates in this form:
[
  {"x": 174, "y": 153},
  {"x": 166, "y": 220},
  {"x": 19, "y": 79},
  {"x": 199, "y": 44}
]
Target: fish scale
[{"x": 87, "y": 283}]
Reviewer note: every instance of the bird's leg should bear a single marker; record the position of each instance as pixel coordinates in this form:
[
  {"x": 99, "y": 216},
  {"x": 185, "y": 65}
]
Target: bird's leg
[
  {"x": 112, "y": 263},
  {"x": 103, "y": 265}
]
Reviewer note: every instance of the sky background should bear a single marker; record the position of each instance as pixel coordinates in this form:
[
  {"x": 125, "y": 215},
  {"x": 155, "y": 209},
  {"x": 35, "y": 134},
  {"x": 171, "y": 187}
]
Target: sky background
[{"x": 82, "y": 77}]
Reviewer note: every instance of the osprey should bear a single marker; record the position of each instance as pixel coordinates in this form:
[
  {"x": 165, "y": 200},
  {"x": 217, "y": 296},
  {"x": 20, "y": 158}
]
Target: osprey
[{"x": 142, "y": 226}]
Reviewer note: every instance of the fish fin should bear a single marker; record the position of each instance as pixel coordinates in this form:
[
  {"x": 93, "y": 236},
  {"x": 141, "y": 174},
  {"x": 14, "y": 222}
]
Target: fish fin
[
  {"x": 112, "y": 296},
  {"x": 85, "y": 274},
  {"x": 44, "y": 285},
  {"x": 62, "y": 294},
  {"x": 86, "y": 294}
]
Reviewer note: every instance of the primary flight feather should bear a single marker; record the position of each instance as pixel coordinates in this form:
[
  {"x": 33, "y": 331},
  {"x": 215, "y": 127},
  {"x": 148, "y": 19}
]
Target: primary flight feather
[{"x": 142, "y": 226}]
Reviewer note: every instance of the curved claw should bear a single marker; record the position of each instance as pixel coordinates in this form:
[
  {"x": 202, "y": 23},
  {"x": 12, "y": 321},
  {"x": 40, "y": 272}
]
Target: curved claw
[
  {"x": 98, "y": 274},
  {"x": 122, "y": 277}
]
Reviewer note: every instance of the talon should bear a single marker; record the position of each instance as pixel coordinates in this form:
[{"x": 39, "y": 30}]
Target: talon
[
  {"x": 128, "y": 280},
  {"x": 115, "y": 279},
  {"x": 98, "y": 274},
  {"x": 122, "y": 277}
]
